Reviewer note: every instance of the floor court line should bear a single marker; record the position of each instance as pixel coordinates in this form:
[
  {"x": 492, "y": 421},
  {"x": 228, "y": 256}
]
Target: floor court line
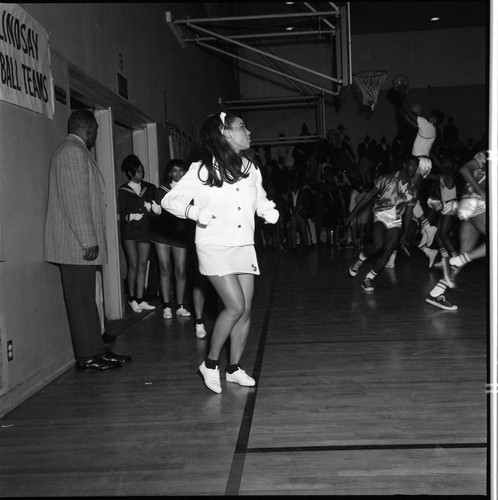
[
  {"x": 410, "y": 446},
  {"x": 237, "y": 468}
]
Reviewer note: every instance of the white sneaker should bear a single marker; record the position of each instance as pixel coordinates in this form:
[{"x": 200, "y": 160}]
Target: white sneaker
[
  {"x": 354, "y": 268},
  {"x": 145, "y": 306},
  {"x": 181, "y": 311},
  {"x": 200, "y": 331},
  {"x": 211, "y": 377},
  {"x": 431, "y": 255},
  {"x": 135, "y": 307},
  {"x": 366, "y": 284},
  {"x": 428, "y": 233},
  {"x": 167, "y": 313},
  {"x": 240, "y": 377},
  {"x": 441, "y": 302},
  {"x": 423, "y": 239}
]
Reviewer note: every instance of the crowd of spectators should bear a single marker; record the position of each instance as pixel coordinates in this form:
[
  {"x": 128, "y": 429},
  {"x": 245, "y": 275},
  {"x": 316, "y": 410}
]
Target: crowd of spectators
[{"x": 314, "y": 183}]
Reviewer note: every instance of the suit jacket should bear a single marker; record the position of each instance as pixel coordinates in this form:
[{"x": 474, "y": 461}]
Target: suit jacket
[{"x": 76, "y": 206}]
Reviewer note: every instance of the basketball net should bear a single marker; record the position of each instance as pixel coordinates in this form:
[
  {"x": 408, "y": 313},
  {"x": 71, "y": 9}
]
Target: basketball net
[{"x": 370, "y": 83}]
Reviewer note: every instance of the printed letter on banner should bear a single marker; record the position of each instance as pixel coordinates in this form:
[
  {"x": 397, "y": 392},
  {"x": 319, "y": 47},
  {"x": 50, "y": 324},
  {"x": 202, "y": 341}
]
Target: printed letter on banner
[{"x": 25, "y": 75}]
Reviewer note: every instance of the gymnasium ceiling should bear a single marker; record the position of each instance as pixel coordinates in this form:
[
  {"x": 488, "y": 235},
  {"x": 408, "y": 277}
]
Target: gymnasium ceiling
[{"x": 388, "y": 16}]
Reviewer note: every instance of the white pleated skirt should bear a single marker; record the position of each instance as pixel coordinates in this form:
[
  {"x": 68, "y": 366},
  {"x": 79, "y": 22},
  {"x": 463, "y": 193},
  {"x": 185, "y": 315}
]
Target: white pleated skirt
[{"x": 219, "y": 261}]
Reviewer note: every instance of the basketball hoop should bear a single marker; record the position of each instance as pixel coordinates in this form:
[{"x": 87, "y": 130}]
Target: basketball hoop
[{"x": 370, "y": 83}]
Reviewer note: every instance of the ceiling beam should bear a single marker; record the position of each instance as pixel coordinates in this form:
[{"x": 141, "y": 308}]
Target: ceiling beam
[
  {"x": 260, "y": 52},
  {"x": 267, "y": 35},
  {"x": 256, "y": 17}
]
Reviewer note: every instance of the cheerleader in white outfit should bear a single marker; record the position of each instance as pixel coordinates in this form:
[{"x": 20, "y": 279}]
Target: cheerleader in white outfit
[{"x": 226, "y": 189}]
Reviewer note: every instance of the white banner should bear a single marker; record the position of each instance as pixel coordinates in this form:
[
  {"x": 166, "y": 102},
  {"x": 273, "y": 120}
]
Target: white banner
[{"x": 25, "y": 75}]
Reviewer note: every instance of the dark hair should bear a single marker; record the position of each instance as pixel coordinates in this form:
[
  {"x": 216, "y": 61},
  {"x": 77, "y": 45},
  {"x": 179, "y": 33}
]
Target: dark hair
[
  {"x": 411, "y": 157},
  {"x": 130, "y": 165},
  {"x": 214, "y": 149},
  {"x": 175, "y": 162},
  {"x": 81, "y": 119},
  {"x": 400, "y": 162}
]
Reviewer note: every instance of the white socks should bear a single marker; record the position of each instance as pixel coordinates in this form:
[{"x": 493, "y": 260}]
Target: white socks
[
  {"x": 460, "y": 260},
  {"x": 371, "y": 275},
  {"x": 439, "y": 289}
]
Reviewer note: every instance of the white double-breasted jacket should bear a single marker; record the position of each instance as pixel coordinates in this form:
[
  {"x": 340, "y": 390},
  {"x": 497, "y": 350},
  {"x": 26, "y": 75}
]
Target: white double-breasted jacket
[{"x": 233, "y": 205}]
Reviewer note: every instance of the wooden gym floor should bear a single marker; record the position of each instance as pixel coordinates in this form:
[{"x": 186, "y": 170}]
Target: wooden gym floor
[{"x": 357, "y": 394}]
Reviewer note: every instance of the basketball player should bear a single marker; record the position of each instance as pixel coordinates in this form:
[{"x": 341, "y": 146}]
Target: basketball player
[
  {"x": 445, "y": 202},
  {"x": 394, "y": 196},
  {"x": 472, "y": 215},
  {"x": 426, "y": 135}
]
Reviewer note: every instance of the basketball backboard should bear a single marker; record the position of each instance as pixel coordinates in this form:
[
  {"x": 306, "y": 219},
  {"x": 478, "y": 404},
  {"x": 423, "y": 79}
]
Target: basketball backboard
[{"x": 258, "y": 25}]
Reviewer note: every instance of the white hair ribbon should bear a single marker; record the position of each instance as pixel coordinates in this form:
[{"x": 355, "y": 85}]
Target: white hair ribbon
[{"x": 222, "y": 118}]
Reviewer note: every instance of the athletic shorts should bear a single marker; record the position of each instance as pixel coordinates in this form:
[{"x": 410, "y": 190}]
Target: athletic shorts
[
  {"x": 387, "y": 219},
  {"x": 424, "y": 166},
  {"x": 471, "y": 207},
  {"x": 447, "y": 208},
  {"x": 435, "y": 204}
]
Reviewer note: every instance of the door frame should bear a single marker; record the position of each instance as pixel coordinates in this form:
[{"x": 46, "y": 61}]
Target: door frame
[{"x": 107, "y": 108}]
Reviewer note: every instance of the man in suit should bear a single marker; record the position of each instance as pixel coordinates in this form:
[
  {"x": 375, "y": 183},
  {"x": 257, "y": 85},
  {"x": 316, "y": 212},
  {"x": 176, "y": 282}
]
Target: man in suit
[{"x": 75, "y": 238}]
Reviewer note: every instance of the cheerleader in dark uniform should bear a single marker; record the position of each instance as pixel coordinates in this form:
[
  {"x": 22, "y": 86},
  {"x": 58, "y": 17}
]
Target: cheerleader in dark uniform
[
  {"x": 172, "y": 238},
  {"x": 135, "y": 204}
]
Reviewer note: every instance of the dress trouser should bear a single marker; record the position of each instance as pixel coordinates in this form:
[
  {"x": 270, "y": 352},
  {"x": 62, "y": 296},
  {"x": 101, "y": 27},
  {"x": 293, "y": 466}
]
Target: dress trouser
[{"x": 78, "y": 283}]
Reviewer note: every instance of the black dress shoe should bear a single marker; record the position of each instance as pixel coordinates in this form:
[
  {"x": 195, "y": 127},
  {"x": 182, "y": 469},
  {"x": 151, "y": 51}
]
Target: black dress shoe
[
  {"x": 108, "y": 339},
  {"x": 115, "y": 358},
  {"x": 97, "y": 363}
]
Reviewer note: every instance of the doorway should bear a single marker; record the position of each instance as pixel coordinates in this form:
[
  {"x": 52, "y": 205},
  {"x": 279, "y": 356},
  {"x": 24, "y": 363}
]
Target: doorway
[{"x": 122, "y": 130}]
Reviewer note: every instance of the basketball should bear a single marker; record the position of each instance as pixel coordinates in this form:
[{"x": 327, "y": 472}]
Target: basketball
[
  {"x": 400, "y": 81},
  {"x": 416, "y": 108}
]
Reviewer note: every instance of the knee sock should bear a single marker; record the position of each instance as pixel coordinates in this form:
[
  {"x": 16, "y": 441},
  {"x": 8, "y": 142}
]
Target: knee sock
[
  {"x": 439, "y": 289},
  {"x": 426, "y": 250},
  {"x": 393, "y": 257},
  {"x": 460, "y": 260},
  {"x": 444, "y": 253}
]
